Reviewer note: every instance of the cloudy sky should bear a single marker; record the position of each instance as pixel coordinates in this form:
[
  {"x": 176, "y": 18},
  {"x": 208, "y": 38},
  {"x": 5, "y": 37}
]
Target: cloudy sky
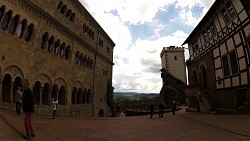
[{"x": 140, "y": 29}]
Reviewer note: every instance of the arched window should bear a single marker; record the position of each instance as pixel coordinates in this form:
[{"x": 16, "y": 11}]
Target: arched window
[
  {"x": 79, "y": 96},
  {"x": 62, "y": 49},
  {"x": 72, "y": 17},
  {"x": 69, "y": 13},
  {"x": 86, "y": 29},
  {"x": 81, "y": 59},
  {"x": 64, "y": 9},
  {"x": 36, "y": 92},
  {"x": 17, "y": 83},
  {"x": 6, "y": 20},
  {"x": 2, "y": 9},
  {"x": 51, "y": 44},
  {"x": 6, "y": 88},
  {"x": 77, "y": 57},
  {"x": 62, "y": 96},
  {"x": 67, "y": 52},
  {"x": 84, "y": 60},
  {"x": 29, "y": 32},
  {"x": 57, "y": 46},
  {"x": 73, "y": 98},
  {"x": 45, "y": 40},
  {"x": 55, "y": 91},
  {"x": 89, "y": 33},
  {"x": 13, "y": 25},
  {"x": 45, "y": 94},
  {"x": 60, "y": 5},
  {"x": 21, "y": 28},
  {"x": 83, "y": 28}
]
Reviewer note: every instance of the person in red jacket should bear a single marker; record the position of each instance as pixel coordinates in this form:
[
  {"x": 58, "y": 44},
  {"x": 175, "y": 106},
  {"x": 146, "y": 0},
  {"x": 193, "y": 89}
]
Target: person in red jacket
[{"x": 28, "y": 109}]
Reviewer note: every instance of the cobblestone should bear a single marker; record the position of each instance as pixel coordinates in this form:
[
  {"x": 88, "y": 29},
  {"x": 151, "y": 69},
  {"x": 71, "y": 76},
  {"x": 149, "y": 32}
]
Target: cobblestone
[{"x": 184, "y": 126}]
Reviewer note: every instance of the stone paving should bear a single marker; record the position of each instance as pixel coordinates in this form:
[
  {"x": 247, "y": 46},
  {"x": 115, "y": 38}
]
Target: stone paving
[{"x": 184, "y": 126}]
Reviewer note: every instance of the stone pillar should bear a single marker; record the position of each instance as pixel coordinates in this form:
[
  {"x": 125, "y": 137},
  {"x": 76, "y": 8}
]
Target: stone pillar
[
  {"x": 12, "y": 93},
  {"x": 40, "y": 95}
]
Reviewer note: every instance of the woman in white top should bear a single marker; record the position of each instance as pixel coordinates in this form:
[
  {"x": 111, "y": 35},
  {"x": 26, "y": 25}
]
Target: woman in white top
[
  {"x": 54, "y": 107},
  {"x": 18, "y": 96}
]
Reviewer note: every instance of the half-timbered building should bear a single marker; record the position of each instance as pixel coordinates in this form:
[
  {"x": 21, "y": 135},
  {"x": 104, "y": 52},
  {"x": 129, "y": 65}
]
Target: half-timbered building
[{"x": 219, "y": 63}]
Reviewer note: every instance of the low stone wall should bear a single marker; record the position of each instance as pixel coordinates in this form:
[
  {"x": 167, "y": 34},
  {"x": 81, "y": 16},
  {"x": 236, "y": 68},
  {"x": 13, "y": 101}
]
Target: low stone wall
[{"x": 131, "y": 112}]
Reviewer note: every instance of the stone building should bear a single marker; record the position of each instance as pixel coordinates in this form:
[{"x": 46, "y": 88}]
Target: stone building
[
  {"x": 60, "y": 50},
  {"x": 173, "y": 73},
  {"x": 219, "y": 63},
  {"x": 173, "y": 61}
]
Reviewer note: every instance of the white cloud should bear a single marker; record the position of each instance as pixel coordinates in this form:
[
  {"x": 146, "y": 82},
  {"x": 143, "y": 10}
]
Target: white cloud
[
  {"x": 137, "y": 63},
  {"x": 186, "y": 14}
]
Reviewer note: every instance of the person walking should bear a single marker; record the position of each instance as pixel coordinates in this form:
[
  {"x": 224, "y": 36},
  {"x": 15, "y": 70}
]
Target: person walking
[
  {"x": 161, "y": 109},
  {"x": 54, "y": 103},
  {"x": 28, "y": 109},
  {"x": 151, "y": 110},
  {"x": 18, "y": 97}
]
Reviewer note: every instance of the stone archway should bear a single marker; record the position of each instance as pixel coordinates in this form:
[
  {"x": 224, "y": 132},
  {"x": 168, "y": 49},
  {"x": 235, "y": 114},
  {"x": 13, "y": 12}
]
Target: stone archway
[
  {"x": 101, "y": 113},
  {"x": 45, "y": 94},
  {"x": 194, "y": 103},
  {"x": 37, "y": 92},
  {"x": 6, "y": 88}
]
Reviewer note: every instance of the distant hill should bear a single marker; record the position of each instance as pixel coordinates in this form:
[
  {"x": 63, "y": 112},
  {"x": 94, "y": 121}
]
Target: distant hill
[{"x": 133, "y": 95}]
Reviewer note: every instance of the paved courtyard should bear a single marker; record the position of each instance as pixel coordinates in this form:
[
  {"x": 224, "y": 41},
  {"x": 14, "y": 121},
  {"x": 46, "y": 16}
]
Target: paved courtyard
[{"x": 184, "y": 126}]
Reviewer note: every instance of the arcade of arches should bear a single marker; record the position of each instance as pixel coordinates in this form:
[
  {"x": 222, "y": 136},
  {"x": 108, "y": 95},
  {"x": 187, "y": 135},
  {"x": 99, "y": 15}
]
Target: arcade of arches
[{"x": 42, "y": 93}]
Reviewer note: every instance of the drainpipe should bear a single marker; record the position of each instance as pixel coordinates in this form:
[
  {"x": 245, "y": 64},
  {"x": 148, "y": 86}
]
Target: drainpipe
[{"x": 93, "y": 93}]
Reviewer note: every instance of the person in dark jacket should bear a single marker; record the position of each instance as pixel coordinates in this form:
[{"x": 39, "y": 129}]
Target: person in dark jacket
[
  {"x": 28, "y": 109},
  {"x": 161, "y": 109},
  {"x": 151, "y": 110}
]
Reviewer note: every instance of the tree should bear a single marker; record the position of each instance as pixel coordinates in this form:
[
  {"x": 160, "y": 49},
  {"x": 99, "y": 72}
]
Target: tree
[
  {"x": 167, "y": 95},
  {"x": 110, "y": 96}
]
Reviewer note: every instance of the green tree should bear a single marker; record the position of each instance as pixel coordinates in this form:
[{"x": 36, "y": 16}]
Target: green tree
[
  {"x": 110, "y": 96},
  {"x": 167, "y": 95}
]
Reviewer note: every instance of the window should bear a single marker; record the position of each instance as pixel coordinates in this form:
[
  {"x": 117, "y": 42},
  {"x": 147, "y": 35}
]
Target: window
[
  {"x": 2, "y": 9},
  {"x": 29, "y": 32},
  {"x": 225, "y": 66},
  {"x": 234, "y": 64},
  {"x": 230, "y": 65},
  {"x": 205, "y": 36},
  {"x": 175, "y": 57},
  {"x": 14, "y": 24},
  {"x": 209, "y": 32},
  {"x": 195, "y": 46},
  {"x": 6, "y": 20},
  {"x": 228, "y": 12},
  {"x": 44, "y": 40}
]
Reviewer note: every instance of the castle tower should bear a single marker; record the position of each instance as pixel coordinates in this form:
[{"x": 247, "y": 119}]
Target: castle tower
[{"x": 173, "y": 61}]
